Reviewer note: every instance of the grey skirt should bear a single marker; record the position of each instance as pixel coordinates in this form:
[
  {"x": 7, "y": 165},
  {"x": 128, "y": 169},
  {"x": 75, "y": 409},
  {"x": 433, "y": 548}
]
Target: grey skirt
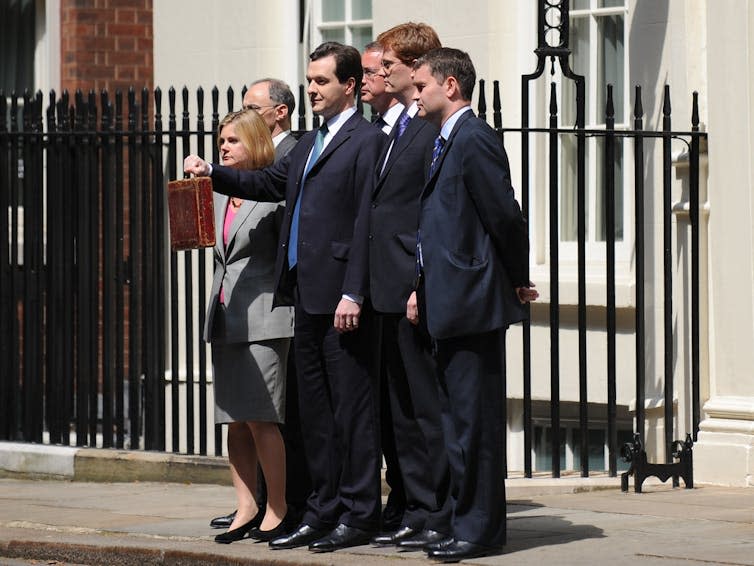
[{"x": 249, "y": 380}]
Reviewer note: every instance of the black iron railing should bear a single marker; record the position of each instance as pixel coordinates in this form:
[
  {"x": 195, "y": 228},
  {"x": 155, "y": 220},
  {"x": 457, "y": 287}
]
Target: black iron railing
[{"x": 98, "y": 334}]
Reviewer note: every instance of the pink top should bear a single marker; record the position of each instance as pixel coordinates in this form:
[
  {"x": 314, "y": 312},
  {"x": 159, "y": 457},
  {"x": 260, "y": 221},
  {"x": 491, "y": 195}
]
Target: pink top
[{"x": 230, "y": 214}]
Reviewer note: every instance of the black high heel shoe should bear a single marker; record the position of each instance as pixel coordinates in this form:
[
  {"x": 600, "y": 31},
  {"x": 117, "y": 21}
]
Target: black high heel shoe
[
  {"x": 240, "y": 532},
  {"x": 283, "y": 527}
]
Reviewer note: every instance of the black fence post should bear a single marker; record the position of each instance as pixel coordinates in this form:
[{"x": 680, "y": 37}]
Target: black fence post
[
  {"x": 640, "y": 315},
  {"x": 695, "y": 282},
  {"x": 554, "y": 209},
  {"x": 609, "y": 200},
  {"x": 667, "y": 239}
]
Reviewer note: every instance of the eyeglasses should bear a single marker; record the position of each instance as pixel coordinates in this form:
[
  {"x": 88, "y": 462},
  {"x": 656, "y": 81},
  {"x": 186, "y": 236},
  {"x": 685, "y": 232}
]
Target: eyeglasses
[{"x": 257, "y": 108}]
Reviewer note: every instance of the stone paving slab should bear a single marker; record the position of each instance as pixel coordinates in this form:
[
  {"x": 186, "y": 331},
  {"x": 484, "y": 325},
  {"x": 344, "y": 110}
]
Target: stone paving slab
[{"x": 574, "y": 522}]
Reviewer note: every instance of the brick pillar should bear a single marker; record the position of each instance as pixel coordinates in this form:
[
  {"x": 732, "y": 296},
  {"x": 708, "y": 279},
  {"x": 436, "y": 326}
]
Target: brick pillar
[{"x": 106, "y": 44}]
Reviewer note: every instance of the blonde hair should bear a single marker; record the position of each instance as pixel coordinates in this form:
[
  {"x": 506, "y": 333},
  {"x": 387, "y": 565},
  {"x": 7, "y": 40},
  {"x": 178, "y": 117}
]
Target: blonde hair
[{"x": 254, "y": 135}]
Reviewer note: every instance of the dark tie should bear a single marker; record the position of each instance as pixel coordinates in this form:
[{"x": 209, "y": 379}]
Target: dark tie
[
  {"x": 436, "y": 152},
  {"x": 402, "y": 124},
  {"x": 380, "y": 122},
  {"x": 293, "y": 237}
]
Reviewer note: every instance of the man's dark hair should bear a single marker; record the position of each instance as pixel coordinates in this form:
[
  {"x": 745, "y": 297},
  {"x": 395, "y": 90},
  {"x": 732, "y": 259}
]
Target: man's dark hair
[
  {"x": 347, "y": 60},
  {"x": 280, "y": 93},
  {"x": 447, "y": 62}
]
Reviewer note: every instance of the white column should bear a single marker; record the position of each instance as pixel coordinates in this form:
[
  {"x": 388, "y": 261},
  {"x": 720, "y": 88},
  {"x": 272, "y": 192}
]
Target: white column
[{"x": 724, "y": 453}]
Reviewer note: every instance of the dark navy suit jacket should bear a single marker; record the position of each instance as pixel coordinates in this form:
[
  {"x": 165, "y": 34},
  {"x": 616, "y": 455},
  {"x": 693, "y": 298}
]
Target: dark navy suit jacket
[
  {"x": 395, "y": 216},
  {"x": 334, "y": 214},
  {"x": 474, "y": 239}
]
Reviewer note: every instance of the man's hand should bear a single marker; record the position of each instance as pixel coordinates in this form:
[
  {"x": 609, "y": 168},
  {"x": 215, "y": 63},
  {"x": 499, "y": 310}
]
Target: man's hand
[
  {"x": 196, "y": 166},
  {"x": 527, "y": 294},
  {"x": 347, "y": 316},
  {"x": 412, "y": 310}
]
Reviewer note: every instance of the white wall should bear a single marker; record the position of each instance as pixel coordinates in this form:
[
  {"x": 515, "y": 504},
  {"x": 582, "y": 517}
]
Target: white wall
[{"x": 224, "y": 43}]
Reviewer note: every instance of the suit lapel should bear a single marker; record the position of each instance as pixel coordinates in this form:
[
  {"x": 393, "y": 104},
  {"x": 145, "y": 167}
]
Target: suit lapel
[
  {"x": 413, "y": 128},
  {"x": 344, "y": 133},
  {"x": 430, "y": 184},
  {"x": 221, "y": 204}
]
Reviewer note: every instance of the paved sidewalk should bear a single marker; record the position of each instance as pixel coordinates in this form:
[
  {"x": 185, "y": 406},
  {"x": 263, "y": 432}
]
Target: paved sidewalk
[
  {"x": 158, "y": 513},
  {"x": 561, "y": 522}
]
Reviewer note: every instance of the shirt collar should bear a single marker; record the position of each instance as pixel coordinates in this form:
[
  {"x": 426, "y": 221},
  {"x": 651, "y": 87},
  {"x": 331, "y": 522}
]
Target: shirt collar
[
  {"x": 391, "y": 114},
  {"x": 447, "y": 127},
  {"x": 336, "y": 122},
  {"x": 280, "y": 137}
]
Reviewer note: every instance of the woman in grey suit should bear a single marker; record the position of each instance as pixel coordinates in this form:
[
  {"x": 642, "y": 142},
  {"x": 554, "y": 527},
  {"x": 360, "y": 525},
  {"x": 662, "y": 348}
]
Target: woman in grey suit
[{"x": 250, "y": 340}]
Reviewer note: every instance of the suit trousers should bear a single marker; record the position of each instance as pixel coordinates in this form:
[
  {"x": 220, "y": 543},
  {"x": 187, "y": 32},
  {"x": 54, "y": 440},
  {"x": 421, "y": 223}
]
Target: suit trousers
[
  {"x": 409, "y": 369},
  {"x": 338, "y": 404},
  {"x": 392, "y": 513},
  {"x": 471, "y": 370}
]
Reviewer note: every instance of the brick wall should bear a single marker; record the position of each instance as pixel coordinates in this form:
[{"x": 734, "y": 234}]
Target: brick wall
[{"x": 106, "y": 44}]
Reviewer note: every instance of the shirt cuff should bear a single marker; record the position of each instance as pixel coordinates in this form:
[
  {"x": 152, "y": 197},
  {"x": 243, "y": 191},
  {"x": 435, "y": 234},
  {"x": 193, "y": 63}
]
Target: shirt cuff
[{"x": 358, "y": 299}]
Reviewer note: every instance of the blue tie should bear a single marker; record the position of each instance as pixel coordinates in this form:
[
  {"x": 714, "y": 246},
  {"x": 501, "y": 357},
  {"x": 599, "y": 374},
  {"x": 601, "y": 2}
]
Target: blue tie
[
  {"x": 436, "y": 152},
  {"x": 319, "y": 141},
  {"x": 403, "y": 121}
]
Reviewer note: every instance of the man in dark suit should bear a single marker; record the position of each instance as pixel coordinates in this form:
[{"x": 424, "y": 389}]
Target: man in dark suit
[
  {"x": 387, "y": 108},
  {"x": 322, "y": 269},
  {"x": 472, "y": 250},
  {"x": 405, "y": 350},
  {"x": 273, "y": 100}
]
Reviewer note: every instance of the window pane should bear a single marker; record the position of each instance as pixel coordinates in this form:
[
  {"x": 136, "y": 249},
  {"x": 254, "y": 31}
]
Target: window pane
[
  {"x": 596, "y": 449},
  {"x": 579, "y": 43},
  {"x": 579, "y": 4},
  {"x": 361, "y": 10},
  {"x": 360, "y": 36},
  {"x": 334, "y": 35},
  {"x": 17, "y": 42},
  {"x": 569, "y": 186},
  {"x": 601, "y": 198},
  {"x": 611, "y": 3},
  {"x": 610, "y": 65},
  {"x": 333, "y": 11},
  {"x": 543, "y": 449}
]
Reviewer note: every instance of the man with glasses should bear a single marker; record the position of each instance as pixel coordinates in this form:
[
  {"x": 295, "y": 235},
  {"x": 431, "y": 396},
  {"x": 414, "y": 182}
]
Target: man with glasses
[
  {"x": 274, "y": 102},
  {"x": 388, "y": 109},
  {"x": 405, "y": 350},
  {"x": 373, "y": 89}
]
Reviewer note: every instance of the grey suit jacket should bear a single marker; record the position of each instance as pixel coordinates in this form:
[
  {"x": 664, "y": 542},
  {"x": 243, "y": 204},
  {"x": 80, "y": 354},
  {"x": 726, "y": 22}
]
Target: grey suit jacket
[
  {"x": 246, "y": 272},
  {"x": 246, "y": 269},
  {"x": 285, "y": 146}
]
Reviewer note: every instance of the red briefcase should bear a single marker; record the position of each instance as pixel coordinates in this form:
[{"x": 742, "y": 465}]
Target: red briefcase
[{"x": 192, "y": 217}]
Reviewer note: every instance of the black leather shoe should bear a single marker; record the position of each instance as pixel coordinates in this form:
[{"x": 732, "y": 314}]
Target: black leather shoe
[
  {"x": 420, "y": 540},
  {"x": 302, "y": 536},
  {"x": 461, "y": 550},
  {"x": 236, "y": 534},
  {"x": 342, "y": 536},
  {"x": 223, "y": 522},
  {"x": 440, "y": 544},
  {"x": 389, "y": 539},
  {"x": 284, "y": 527}
]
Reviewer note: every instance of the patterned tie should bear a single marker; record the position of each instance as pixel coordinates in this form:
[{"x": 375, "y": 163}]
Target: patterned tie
[
  {"x": 403, "y": 121},
  {"x": 436, "y": 152},
  {"x": 293, "y": 237}
]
